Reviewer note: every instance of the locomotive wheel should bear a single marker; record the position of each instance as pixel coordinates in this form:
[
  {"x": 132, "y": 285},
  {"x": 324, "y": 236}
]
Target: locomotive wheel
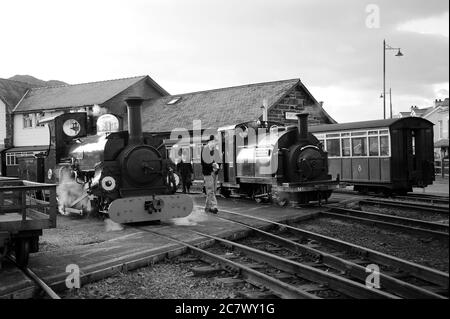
[{"x": 22, "y": 251}]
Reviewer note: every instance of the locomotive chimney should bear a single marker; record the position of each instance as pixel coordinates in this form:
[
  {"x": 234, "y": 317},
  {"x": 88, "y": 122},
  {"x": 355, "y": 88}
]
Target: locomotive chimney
[
  {"x": 135, "y": 135},
  {"x": 303, "y": 125}
]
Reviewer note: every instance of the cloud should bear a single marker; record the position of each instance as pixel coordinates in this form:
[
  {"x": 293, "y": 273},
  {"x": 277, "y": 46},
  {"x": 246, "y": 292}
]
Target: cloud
[
  {"x": 436, "y": 25},
  {"x": 193, "y": 45}
]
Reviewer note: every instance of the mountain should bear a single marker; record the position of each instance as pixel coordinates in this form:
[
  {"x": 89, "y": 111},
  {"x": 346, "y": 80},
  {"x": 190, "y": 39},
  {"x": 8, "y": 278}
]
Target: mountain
[{"x": 35, "y": 82}]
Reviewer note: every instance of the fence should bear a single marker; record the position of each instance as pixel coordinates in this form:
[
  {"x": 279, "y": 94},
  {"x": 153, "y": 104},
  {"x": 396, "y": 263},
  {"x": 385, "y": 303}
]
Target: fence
[{"x": 441, "y": 167}]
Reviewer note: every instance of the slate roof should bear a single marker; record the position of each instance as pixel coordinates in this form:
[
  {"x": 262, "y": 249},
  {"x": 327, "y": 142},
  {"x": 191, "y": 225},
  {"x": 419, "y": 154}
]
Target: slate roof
[
  {"x": 215, "y": 108},
  {"x": 12, "y": 91},
  {"x": 77, "y": 95},
  {"x": 363, "y": 125}
]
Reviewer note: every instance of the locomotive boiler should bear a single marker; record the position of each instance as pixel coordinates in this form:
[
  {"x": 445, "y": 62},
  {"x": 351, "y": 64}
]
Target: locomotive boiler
[{"x": 127, "y": 173}]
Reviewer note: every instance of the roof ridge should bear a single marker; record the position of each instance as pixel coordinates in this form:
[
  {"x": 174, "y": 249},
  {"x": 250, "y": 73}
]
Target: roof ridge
[
  {"x": 66, "y": 85},
  {"x": 232, "y": 87}
]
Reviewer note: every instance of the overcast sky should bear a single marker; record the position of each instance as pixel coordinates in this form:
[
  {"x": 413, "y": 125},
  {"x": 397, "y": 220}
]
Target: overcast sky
[{"x": 192, "y": 45}]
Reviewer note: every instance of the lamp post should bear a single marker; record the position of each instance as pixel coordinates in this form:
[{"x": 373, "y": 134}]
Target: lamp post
[
  {"x": 390, "y": 101},
  {"x": 399, "y": 53}
]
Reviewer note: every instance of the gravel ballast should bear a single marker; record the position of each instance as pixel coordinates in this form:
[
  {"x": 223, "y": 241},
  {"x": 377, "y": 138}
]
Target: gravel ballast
[{"x": 422, "y": 250}]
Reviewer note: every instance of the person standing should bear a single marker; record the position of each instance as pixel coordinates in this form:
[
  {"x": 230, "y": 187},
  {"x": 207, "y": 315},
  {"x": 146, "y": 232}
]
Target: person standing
[
  {"x": 210, "y": 169},
  {"x": 184, "y": 168}
]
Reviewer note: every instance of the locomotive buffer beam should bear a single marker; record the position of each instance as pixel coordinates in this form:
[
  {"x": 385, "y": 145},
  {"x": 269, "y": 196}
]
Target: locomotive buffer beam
[{"x": 150, "y": 208}]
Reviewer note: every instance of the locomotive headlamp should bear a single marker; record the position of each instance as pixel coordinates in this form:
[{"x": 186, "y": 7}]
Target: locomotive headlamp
[{"x": 108, "y": 183}]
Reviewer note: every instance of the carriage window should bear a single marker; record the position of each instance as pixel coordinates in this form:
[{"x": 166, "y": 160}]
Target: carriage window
[
  {"x": 373, "y": 146},
  {"x": 359, "y": 146},
  {"x": 359, "y": 133},
  {"x": 384, "y": 131},
  {"x": 384, "y": 145},
  {"x": 346, "y": 147},
  {"x": 345, "y": 134},
  {"x": 333, "y": 135},
  {"x": 373, "y": 132},
  {"x": 333, "y": 147}
]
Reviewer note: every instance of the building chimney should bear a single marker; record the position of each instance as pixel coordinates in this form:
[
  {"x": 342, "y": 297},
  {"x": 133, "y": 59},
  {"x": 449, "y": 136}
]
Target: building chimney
[
  {"x": 134, "y": 108},
  {"x": 303, "y": 125}
]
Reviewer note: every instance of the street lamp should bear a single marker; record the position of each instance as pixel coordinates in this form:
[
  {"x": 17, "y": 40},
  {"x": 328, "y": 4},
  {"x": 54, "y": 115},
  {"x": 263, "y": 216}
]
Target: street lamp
[
  {"x": 399, "y": 54},
  {"x": 390, "y": 100}
]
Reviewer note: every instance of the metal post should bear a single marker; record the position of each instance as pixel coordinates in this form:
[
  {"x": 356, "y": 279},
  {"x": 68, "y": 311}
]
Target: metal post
[
  {"x": 384, "y": 79},
  {"x": 390, "y": 101}
]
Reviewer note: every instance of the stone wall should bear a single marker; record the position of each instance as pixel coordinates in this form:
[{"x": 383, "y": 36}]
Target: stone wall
[{"x": 297, "y": 101}]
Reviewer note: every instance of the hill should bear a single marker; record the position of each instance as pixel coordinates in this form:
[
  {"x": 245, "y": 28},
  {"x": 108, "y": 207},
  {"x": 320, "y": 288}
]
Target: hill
[{"x": 35, "y": 82}]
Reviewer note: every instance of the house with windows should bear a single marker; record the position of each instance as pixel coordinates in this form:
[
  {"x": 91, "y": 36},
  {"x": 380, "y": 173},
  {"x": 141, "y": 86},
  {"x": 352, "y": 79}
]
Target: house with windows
[
  {"x": 439, "y": 116},
  {"x": 31, "y": 137}
]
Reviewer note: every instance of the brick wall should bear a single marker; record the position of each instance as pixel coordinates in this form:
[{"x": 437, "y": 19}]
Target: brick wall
[
  {"x": 297, "y": 101},
  {"x": 9, "y": 129}
]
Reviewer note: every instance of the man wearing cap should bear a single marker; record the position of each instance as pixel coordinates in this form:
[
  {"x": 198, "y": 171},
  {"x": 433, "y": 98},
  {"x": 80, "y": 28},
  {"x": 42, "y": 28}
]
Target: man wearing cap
[{"x": 210, "y": 170}]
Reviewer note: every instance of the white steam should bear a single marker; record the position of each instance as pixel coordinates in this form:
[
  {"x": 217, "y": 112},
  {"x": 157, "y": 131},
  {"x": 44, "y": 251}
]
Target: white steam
[
  {"x": 71, "y": 194},
  {"x": 196, "y": 216},
  {"x": 111, "y": 225}
]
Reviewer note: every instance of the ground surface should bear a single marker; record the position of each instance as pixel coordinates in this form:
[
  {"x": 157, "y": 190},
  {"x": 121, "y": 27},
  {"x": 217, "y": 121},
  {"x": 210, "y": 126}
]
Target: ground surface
[{"x": 96, "y": 246}]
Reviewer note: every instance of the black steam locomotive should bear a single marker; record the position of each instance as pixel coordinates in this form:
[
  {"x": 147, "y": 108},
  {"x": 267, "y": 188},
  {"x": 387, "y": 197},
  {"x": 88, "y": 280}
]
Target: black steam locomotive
[{"x": 125, "y": 174}]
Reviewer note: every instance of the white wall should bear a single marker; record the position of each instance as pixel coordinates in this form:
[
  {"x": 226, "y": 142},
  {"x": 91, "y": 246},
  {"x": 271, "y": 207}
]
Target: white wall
[
  {"x": 2, "y": 123},
  {"x": 435, "y": 117},
  {"x": 32, "y": 135}
]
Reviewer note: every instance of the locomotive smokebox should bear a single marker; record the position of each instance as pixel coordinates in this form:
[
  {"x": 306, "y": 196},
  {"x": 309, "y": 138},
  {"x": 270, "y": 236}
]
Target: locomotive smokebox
[
  {"x": 135, "y": 135},
  {"x": 303, "y": 125}
]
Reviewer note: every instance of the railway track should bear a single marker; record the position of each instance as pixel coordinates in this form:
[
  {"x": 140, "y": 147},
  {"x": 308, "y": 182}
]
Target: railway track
[
  {"x": 399, "y": 277},
  {"x": 411, "y": 197},
  {"x": 414, "y": 226},
  {"x": 437, "y": 209},
  {"x": 433, "y": 199},
  {"x": 263, "y": 269},
  {"x": 312, "y": 264},
  {"x": 38, "y": 281}
]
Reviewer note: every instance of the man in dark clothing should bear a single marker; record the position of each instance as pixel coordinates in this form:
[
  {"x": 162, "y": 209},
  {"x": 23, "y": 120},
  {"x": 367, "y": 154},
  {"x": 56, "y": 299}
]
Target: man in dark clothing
[
  {"x": 210, "y": 170},
  {"x": 184, "y": 168}
]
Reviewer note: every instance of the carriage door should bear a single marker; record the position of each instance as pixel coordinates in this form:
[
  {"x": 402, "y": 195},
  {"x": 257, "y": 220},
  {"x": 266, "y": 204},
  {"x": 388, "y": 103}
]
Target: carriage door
[{"x": 414, "y": 167}]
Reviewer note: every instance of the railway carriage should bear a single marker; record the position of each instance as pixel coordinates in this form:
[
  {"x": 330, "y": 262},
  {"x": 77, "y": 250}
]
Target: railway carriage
[{"x": 389, "y": 156}]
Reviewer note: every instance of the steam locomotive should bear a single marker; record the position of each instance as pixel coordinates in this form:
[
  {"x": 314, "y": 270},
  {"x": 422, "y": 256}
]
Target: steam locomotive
[
  {"x": 267, "y": 162},
  {"x": 125, "y": 174}
]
